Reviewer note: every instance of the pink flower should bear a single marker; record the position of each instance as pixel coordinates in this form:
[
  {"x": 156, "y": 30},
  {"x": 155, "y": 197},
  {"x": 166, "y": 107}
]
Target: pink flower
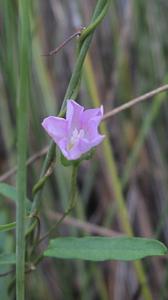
[{"x": 78, "y": 132}]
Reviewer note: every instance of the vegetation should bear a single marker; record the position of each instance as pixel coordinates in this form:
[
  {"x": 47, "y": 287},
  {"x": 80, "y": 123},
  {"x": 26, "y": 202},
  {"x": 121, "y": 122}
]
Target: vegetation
[{"x": 122, "y": 189}]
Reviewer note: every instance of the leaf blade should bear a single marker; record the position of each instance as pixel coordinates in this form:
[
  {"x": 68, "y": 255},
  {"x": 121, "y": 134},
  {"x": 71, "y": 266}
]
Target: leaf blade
[
  {"x": 9, "y": 191},
  {"x": 103, "y": 248},
  {"x": 7, "y": 227},
  {"x": 7, "y": 259}
]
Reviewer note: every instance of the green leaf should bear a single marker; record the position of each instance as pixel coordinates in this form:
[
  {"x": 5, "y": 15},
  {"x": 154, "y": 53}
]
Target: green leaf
[
  {"x": 9, "y": 191},
  {"x": 7, "y": 227},
  {"x": 7, "y": 259},
  {"x": 103, "y": 248}
]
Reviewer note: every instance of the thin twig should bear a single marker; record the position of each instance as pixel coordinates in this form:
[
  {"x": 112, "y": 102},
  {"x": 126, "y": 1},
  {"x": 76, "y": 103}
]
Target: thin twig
[
  {"x": 109, "y": 114},
  {"x": 135, "y": 101},
  {"x": 31, "y": 159},
  {"x": 72, "y": 202},
  {"x": 69, "y": 221},
  {"x": 86, "y": 226},
  {"x": 58, "y": 222},
  {"x": 56, "y": 50},
  {"x": 32, "y": 267}
]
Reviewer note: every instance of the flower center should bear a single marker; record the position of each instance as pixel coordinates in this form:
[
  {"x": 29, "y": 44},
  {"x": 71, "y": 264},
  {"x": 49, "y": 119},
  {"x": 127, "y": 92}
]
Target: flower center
[{"x": 76, "y": 135}]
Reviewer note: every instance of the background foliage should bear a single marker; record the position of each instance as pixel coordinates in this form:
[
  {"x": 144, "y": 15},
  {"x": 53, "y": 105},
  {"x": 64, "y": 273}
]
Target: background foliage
[{"x": 128, "y": 57}]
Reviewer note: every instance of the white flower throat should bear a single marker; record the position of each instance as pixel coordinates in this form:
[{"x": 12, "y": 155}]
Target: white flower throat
[{"x": 76, "y": 135}]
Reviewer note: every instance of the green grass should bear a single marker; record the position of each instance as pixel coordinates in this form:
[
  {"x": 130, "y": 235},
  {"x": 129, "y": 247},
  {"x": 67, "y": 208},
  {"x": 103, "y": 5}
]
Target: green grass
[{"x": 124, "y": 187}]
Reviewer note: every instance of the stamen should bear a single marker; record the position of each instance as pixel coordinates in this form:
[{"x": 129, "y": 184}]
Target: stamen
[{"x": 76, "y": 135}]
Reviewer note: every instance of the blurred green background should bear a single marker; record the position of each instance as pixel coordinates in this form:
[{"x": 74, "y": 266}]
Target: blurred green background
[{"x": 128, "y": 57}]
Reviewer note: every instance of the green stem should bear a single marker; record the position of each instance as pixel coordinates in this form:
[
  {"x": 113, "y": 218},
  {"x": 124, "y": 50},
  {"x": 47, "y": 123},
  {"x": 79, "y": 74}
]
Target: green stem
[
  {"x": 84, "y": 44},
  {"x": 22, "y": 118},
  {"x": 112, "y": 172},
  {"x": 72, "y": 201},
  {"x": 72, "y": 90},
  {"x": 50, "y": 157},
  {"x": 144, "y": 130},
  {"x": 72, "y": 87},
  {"x": 93, "y": 25}
]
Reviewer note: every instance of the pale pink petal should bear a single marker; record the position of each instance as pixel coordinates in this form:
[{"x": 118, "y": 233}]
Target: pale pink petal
[
  {"x": 91, "y": 128},
  {"x": 99, "y": 139},
  {"x": 90, "y": 114},
  {"x": 71, "y": 154},
  {"x": 78, "y": 133},
  {"x": 73, "y": 114},
  {"x": 56, "y": 127},
  {"x": 63, "y": 147},
  {"x": 86, "y": 145},
  {"x": 83, "y": 146},
  {"x": 75, "y": 152}
]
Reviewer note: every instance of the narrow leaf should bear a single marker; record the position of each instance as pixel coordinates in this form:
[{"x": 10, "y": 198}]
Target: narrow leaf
[
  {"x": 103, "y": 248},
  {"x": 7, "y": 227},
  {"x": 7, "y": 259},
  {"x": 9, "y": 191}
]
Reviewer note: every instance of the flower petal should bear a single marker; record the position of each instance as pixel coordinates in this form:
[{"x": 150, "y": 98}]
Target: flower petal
[
  {"x": 90, "y": 114},
  {"x": 82, "y": 147},
  {"x": 71, "y": 154},
  {"x": 78, "y": 133},
  {"x": 99, "y": 139},
  {"x": 63, "y": 147},
  {"x": 86, "y": 145},
  {"x": 73, "y": 114},
  {"x": 56, "y": 127}
]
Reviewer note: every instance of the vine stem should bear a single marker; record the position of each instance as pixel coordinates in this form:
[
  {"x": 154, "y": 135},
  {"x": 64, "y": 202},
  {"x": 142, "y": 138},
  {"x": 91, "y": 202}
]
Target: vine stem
[
  {"x": 72, "y": 202},
  {"x": 72, "y": 88},
  {"x": 22, "y": 117},
  {"x": 107, "y": 115}
]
